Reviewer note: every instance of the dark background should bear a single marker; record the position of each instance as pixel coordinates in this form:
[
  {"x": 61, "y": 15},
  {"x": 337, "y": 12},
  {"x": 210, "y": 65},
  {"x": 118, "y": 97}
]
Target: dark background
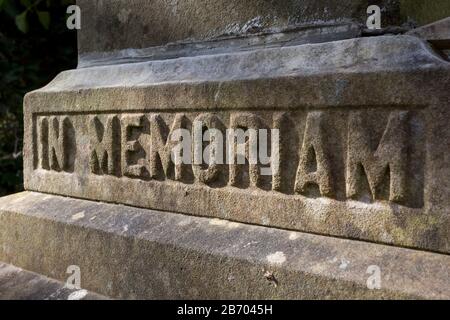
[{"x": 35, "y": 45}]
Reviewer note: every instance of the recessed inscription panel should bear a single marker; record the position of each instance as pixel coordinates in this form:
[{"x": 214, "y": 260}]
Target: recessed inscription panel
[
  {"x": 375, "y": 155},
  {"x": 348, "y": 172}
]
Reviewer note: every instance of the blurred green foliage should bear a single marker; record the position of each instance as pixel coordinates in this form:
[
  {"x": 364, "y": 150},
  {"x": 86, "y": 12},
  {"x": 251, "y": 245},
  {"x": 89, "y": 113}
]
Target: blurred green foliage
[
  {"x": 425, "y": 11},
  {"x": 35, "y": 45}
]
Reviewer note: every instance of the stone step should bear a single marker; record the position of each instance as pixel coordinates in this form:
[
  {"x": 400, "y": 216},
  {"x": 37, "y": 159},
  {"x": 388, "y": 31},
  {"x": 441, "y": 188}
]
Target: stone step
[
  {"x": 132, "y": 253},
  {"x": 19, "y": 284}
]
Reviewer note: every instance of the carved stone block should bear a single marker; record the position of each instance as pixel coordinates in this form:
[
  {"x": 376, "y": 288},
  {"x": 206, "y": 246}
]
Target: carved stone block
[{"x": 362, "y": 126}]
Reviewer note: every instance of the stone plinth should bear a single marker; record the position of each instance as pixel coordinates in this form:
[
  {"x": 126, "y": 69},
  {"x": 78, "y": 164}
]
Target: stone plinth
[
  {"x": 379, "y": 148},
  {"x": 131, "y": 253},
  {"x": 364, "y": 145}
]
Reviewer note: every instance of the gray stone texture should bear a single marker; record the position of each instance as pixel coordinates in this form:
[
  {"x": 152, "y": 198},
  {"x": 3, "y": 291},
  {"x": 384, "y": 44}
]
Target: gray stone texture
[
  {"x": 375, "y": 110},
  {"x": 132, "y": 253},
  {"x": 19, "y": 284},
  {"x": 364, "y": 154},
  {"x": 137, "y": 24}
]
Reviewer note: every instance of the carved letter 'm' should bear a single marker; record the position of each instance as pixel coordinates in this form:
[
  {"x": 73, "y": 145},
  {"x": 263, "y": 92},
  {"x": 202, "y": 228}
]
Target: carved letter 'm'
[{"x": 389, "y": 158}]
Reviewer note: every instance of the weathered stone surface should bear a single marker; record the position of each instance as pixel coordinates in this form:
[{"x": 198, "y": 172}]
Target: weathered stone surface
[
  {"x": 142, "y": 29},
  {"x": 126, "y": 252},
  {"x": 370, "y": 115},
  {"x": 364, "y": 154},
  {"x": 438, "y": 33},
  {"x": 315, "y": 33},
  {"x": 141, "y": 23},
  {"x": 18, "y": 284}
]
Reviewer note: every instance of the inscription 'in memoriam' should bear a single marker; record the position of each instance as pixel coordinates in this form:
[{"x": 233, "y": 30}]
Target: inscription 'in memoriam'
[{"x": 316, "y": 156}]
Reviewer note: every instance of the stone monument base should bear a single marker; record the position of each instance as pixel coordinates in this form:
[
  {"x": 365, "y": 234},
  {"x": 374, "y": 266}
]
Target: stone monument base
[{"x": 131, "y": 253}]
